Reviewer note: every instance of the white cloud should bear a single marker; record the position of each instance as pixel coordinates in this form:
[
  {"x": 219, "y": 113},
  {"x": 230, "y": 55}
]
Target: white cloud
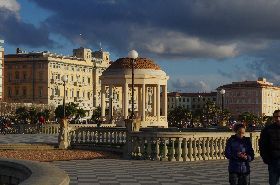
[
  {"x": 11, "y": 5},
  {"x": 178, "y": 45}
]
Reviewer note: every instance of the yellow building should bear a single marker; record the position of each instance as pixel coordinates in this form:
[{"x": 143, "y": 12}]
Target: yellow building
[
  {"x": 258, "y": 97},
  {"x": 36, "y": 78},
  {"x": 1, "y": 68}
]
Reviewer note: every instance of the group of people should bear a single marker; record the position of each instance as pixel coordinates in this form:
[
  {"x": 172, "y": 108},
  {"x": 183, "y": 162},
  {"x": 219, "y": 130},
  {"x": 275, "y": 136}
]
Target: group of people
[{"x": 240, "y": 153}]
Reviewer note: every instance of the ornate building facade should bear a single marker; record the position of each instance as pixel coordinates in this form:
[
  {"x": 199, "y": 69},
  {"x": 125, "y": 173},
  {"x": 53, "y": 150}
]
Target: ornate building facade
[
  {"x": 36, "y": 77},
  {"x": 190, "y": 101},
  {"x": 258, "y": 97}
]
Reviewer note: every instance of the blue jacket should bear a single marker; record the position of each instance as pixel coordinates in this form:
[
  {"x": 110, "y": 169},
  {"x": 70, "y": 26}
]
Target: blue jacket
[{"x": 233, "y": 147}]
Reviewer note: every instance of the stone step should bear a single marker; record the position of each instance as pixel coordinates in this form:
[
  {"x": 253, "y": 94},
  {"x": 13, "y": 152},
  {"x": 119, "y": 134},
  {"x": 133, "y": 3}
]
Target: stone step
[{"x": 27, "y": 146}]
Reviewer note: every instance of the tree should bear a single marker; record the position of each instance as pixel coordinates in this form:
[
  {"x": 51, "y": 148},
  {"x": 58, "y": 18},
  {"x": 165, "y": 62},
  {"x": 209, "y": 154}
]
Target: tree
[
  {"x": 22, "y": 115},
  {"x": 70, "y": 110},
  {"x": 32, "y": 115},
  {"x": 96, "y": 115},
  {"x": 80, "y": 113},
  {"x": 179, "y": 117}
]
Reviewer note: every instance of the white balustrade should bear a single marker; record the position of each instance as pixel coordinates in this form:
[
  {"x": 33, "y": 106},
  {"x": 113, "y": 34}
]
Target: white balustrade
[{"x": 181, "y": 146}]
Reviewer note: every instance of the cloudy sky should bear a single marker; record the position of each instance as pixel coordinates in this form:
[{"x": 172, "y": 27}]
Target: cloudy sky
[{"x": 201, "y": 44}]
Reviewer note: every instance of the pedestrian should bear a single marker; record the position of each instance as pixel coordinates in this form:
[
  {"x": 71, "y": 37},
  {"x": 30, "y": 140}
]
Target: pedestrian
[
  {"x": 269, "y": 145},
  {"x": 240, "y": 153}
]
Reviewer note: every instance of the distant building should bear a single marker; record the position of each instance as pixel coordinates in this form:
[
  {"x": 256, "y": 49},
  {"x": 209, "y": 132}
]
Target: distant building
[
  {"x": 36, "y": 77},
  {"x": 1, "y": 69},
  {"x": 190, "y": 101},
  {"x": 258, "y": 97}
]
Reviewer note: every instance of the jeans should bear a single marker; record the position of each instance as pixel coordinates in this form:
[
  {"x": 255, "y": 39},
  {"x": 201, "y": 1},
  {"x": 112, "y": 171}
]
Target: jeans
[
  {"x": 239, "y": 179},
  {"x": 274, "y": 174}
]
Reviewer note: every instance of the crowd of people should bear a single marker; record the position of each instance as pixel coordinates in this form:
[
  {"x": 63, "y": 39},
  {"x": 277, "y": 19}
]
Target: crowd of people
[{"x": 240, "y": 153}]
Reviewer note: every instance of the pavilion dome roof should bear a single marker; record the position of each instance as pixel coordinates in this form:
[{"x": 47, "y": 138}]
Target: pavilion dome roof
[{"x": 139, "y": 63}]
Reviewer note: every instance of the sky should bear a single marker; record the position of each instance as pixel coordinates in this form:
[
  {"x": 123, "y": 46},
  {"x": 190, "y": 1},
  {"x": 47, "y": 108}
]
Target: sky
[{"x": 200, "y": 44}]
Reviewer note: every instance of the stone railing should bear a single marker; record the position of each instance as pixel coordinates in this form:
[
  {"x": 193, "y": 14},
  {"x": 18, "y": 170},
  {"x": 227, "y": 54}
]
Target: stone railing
[
  {"x": 46, "y": 128},
  {"x": 98, "y": 136},
  {"x": 179, "y": 146},
  {"x": 31, "y": 173}
]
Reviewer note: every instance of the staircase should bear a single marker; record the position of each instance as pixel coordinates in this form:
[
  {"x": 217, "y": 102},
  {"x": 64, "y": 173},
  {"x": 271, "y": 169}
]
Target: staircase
[{"x": 26, "y": 146}]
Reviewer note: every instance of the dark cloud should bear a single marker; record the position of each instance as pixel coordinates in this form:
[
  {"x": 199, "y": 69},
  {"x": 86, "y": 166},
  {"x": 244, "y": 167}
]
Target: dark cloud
[
  {"x": 189, "y": 86},
  {"x": 164, "y": 28},
  {"x": 16, "y": 32}
]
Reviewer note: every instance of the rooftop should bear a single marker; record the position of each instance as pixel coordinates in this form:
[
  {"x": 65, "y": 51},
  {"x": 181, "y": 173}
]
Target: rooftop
[{"x": 140, "y": 63}]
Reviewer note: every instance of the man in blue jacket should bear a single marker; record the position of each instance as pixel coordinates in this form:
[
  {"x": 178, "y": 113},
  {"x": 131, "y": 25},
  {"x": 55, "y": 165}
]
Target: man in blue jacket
[
  {"x": 269, "y": 145},
  {"x": 239, "y": 151}
]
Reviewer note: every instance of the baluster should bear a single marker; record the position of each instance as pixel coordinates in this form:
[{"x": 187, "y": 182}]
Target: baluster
[
  {"x": 142, "y": 147},
  {"x": 115, "y": 137},
  {"x": 199, "y": 150},
  {"x": 220, "y": 147},
  {"x": 172, "y": 150},
  {"x": 149, "y": 148},
  {"x": 216, "y": 148},
  {"x": 157, "y": 152},
  {"x": 194, "y": 149},
  {"x": 179, "y": 150},
  {"x": 86, "y": 136},
  {"x": 207, "y": 156},
  {"x": 190, "y": 150},
  {"x": 184, "y": 152},
  {"x": 224, "y": 147},
  {"x": 212, "y": 148},
  {"x": 203, "y": 148},
  {"x": 165, "y": 150}
]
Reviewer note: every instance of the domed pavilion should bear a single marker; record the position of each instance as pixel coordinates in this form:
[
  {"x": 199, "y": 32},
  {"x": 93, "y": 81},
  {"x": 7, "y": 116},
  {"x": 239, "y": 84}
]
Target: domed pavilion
[{"x": 150, "y": 89}]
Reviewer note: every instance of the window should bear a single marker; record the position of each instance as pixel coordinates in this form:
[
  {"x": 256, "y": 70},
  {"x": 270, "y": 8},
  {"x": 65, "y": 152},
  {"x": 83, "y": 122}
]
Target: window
[
  {"x": 17, "y": 75},
  {"x": 9, "y": 91},
  {"x": 10, "y": 76},
  {"x": 40, "y": 91},
  {"x": 78, "y": 94},
  {"x": 24, "y": 91},
  {"x": 41, "y": 76},
  {"x": 16, "y": 91},
  {"x": 89, "y": 80},
  {"x": 24, "y": 75},
  {"x": 88, "y": 95}
]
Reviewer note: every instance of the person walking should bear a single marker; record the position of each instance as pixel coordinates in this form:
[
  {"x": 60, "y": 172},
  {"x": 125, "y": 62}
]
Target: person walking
[
  {"x": 269, "y": 145},
  {"x": 240, "y": 153}
]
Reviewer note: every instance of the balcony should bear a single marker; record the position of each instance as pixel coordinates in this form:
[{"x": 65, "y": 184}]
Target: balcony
[
  {"x": 78, "y": 99},
  {"x": 55, "y": 97}
]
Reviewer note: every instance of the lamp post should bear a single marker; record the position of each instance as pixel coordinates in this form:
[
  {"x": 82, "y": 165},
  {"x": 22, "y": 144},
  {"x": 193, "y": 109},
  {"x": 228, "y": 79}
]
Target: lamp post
[
  {"x": 132, "y": 55},
  {"x": 222, "y": 92},
  {"x": 64, "y": 79}
]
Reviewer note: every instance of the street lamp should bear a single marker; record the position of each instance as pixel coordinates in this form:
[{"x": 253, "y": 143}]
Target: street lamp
[
  {"x": 132, "y": 55},
  {"x": 222, "y": 92},
  {"x": 64, "y": 79}
]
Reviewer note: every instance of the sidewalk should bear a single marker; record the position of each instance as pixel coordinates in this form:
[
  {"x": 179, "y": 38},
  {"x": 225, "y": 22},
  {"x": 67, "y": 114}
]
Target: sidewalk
[{"x": 125, "y": 172}]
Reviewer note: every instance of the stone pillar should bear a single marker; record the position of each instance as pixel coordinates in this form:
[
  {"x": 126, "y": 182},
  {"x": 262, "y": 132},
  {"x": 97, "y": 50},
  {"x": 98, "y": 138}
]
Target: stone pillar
[
  {"x": 125, "y": 100},
  {"x": 154, "y": 101},
  {"x": 158, "y": 102},
  {"x": 164, "y": 96},
  {"x": 139, "y": 103},
  {"x": 103, "y": 101},
  {"x": 110, "y": 101},
  {"x": 143, "y": 102}
]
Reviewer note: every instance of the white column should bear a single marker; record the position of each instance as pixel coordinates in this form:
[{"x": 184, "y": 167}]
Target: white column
[
  {"x": 158, "y": 102},
  {"x": 143, "y": 102},
  {"x": 103, "y": 101},
  {"x": 154, "y": 101},
  {"x": 110, "y": 101},
  {"x": 139, "y": 103},
  {"x": 164, "y": 95},
  {"x": 125, "y": 100}
]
